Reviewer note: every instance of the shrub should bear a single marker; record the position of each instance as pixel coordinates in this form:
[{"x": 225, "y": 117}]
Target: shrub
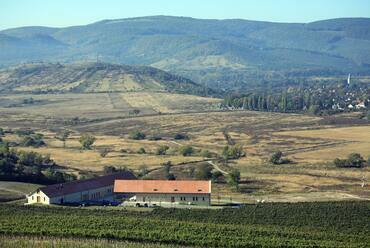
[
  {"x": 277, "y": 158},
  {"x": 204, "y": 171},
  {"x": 206, "y": 154},
  {"x": 180, "y": 136},
  {"x": 234, "y": 179},
  {"x": 162, "y": 150},
  {"x": 233, "y": 152},
  {"x": 87, "y": 141},
  {"x": 136, "y": 135},
  {"x": 216, "y": 176},
  {"x": 141, "y": 150},
  {"x": 186, "y": 150},
  {"x": 33, "y": 140},
  {"x": 354, "y": 160}
]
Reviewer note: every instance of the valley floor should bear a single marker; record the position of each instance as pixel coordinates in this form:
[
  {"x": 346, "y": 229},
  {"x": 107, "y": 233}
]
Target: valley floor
[{"x": 312, "y": 143}]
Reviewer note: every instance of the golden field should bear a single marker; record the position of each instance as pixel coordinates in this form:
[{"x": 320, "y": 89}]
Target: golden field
[{"x": 312, "y": 143}]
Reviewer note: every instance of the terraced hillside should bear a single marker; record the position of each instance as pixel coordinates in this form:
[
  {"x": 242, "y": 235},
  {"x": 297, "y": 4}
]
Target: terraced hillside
[{"x": 92, "y": 77}]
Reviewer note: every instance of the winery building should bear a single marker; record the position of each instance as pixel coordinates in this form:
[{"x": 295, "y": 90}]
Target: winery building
[
  {"x": 96, "y": 189},
  {"x": 163, "y": 192}
]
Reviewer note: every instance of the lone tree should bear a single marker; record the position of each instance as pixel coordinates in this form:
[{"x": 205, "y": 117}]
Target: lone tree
[
  {"x": 63, "y": 137},
  {"x": 87, "y": 141},
  {"x": 233, "y": 179},
  {"x": 167, "y": 170},
  {"x": 277, "y": 158}
]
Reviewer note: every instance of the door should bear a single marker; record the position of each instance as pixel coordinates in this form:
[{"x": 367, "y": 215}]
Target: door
[
  {"x": 38, "y": 199},
  {"x": 172, "y": 199}
]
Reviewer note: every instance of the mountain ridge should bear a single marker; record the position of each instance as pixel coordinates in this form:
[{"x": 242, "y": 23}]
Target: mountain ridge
[{"x": 228, "y": 53}]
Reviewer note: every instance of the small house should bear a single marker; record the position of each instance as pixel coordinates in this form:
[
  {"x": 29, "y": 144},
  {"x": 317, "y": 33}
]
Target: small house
[
  {"x": 164, "y": 192},
  {"x": 98, "y": 189}
]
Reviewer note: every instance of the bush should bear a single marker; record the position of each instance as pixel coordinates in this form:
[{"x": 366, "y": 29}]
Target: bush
[
  {"x": 277, "y": 158},
  {"x": 206, "y": 154},
  {"x": 216, "y": 176},
  {"x": 204, "y": 171},
  {"x": 136, "y": 135},
  {"x": 87, "y": 141},
  {"x": 33, "y": 140},
  {"x": 162, "y": 150},
  {"x": 233, "y": 152},
  {"x": 234, "y": 179},
  {"x": 141, "y": 150},
  {"x": 180, "y": 136},
  {"x": 186, "y": 150},
  {"x": 354, "y": 160}
]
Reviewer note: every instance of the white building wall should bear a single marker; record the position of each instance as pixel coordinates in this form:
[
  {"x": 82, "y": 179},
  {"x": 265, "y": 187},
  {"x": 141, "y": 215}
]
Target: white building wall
[
  {"x": 99, "y": 194},
  {"x": 158, "y": 199},
  {"x": 38, "y": 197}
]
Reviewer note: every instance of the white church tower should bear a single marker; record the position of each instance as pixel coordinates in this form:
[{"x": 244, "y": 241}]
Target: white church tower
[{"x": 349, "y": 79}]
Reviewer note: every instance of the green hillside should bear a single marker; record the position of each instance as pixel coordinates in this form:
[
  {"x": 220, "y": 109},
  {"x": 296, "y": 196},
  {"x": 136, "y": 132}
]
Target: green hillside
[
  {"x": 92, "y": 77},
  {"x": 220, "y": 53}
]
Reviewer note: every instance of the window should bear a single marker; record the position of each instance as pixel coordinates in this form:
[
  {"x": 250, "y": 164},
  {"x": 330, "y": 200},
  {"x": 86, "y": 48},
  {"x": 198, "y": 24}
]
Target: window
[
  {"x": 44, "y": 198},
  {"x": 204, "y": 199},
  {"x": 32, "y": 197}
]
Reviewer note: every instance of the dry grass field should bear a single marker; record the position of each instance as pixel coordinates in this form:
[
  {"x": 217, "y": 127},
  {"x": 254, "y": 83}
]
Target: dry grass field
[{"x": 312, "y": 143}]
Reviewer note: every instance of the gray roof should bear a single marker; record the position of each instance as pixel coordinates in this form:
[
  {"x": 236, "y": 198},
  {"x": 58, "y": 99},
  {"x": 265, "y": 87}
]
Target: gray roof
[{"x": 84, "y": 185}]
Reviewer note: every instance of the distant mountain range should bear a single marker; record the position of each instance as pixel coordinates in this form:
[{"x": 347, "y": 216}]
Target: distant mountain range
[
  {"x": 92, "y": 77},
  {"x": 219, "y": 53}
]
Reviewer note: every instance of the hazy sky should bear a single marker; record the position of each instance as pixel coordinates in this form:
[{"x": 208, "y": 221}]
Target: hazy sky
[{"x": 60, "y": 13}]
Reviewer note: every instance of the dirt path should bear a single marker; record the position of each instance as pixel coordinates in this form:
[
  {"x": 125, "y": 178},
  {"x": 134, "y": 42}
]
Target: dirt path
[{"x": 217, "y": 167}]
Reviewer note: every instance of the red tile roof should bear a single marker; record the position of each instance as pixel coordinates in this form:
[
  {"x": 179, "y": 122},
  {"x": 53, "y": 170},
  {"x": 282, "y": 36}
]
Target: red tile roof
[
  {"x": 162, "y": 186},
  {"x": 84, "y": 185}
]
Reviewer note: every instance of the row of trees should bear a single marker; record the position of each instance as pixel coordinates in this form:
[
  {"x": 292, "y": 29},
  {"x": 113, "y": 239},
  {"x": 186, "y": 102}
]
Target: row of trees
[
  {"x": 138, "y": 135},
  {"x": 29, "y": 167},
  {"x": 313, "y": 99},
  {"x": 354, "y": 160}
]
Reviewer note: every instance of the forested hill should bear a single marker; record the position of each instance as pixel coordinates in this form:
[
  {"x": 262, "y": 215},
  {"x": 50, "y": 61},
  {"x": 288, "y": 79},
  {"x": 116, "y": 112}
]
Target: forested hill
[
  {"x": 92, "y": 77},
  {"x": 228, "y": 54}
]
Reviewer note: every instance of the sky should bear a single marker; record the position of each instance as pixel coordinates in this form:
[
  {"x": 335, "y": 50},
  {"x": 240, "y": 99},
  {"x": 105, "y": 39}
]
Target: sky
[{"x": 61, "y": 13}]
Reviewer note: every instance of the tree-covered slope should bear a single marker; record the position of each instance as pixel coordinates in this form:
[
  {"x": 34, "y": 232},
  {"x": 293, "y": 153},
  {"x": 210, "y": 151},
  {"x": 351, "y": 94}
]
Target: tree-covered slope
[
  {"x": 220, "y": 53},
  {"x": 92, "y": 77}
]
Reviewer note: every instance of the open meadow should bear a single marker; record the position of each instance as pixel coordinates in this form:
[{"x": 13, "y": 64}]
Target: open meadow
[{"x": 311, "y": 142}]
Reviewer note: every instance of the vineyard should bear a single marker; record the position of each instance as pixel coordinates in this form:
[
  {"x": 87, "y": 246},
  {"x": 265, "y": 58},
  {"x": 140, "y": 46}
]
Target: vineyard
[{"x": 335, "y": 224}]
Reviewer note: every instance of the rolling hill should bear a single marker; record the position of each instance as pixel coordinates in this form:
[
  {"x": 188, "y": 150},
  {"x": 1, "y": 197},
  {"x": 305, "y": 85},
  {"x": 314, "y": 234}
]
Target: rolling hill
[
  {"x": 226, "y": 54},
  {"x": 92, "y": 77}
]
